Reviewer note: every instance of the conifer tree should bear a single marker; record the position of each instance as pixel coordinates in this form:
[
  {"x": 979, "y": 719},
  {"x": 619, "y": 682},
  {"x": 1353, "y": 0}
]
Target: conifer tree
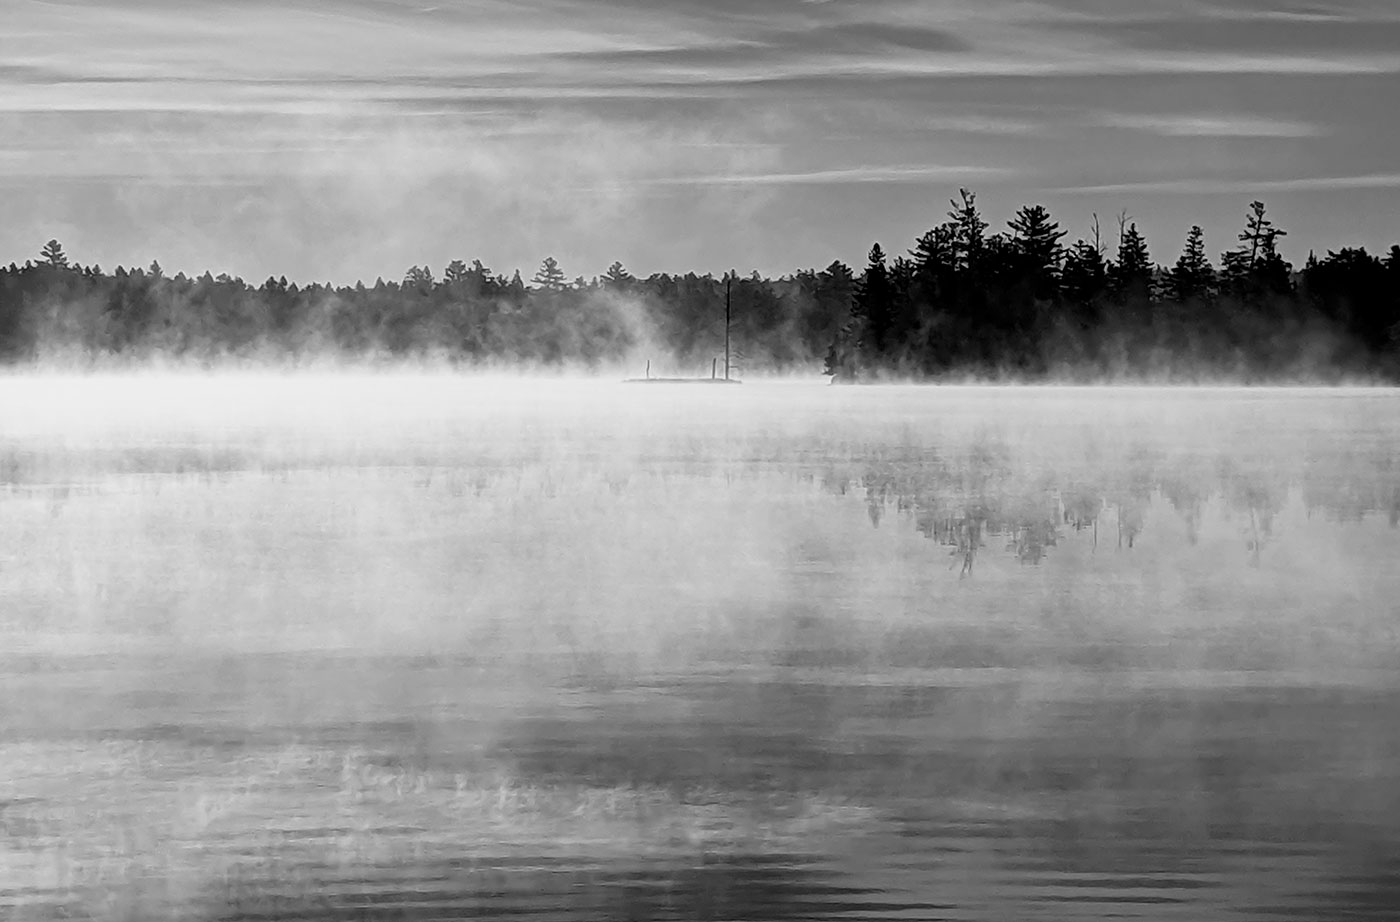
[
  {"x": 419, "y": 277},
  {"x": 874, "y": 302},
  {"x": 1260, "y": 237},
  {"x": 1037, "y": 239},
  {"x": 1193, "y": 277},
  {"x": 1131, "y": 274},
  {"x": 1035, "y": 256},
  {"x": 52, "y": 254},
  {"x": 550, "y": 277},
  {"x": 970, "y": 231},
  {"x": 1255, "y": 269},
  {"x": 618, "y": 278},
  {"x": 936, "y": 250},
  {"x": 1085, "y": 275},
  {"x": 455, "y": 273}
]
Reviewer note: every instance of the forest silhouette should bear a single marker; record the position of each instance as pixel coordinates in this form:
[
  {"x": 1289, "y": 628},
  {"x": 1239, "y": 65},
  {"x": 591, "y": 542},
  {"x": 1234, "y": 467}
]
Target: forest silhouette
[{"x": 962, "y": 303}]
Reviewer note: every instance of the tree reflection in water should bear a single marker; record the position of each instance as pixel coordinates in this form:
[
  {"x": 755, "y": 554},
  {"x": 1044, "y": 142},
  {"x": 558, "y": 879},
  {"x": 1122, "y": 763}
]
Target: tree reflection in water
[{"x": 960, "y": 499}]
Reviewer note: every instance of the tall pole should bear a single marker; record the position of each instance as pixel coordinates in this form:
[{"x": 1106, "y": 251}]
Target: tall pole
[{"x": 727, "y": 279}]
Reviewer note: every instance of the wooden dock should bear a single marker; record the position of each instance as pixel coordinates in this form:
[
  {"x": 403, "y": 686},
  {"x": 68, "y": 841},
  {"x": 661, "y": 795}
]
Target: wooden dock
[{"x": 680, "y": 381}]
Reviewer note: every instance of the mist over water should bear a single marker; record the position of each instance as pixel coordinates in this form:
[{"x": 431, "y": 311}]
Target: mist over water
[{"x": 427, "y": 646}]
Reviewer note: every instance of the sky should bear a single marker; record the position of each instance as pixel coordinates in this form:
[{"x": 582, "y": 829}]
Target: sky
[{"x": 335, "y": 140}]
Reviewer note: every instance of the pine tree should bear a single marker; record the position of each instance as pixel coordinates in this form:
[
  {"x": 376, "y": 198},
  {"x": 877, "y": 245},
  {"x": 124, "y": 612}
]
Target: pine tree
[
  {"x": 1085, "y": 275},
  {"x": 840, "y": 276},
  {"x": 874, "y": 302},
  {"x": 420, "y": 277},
  {"x": 1036, "y": 257},
  {"x": 1193, "y": 277},
  {"x": 970, "y": 231},
  {"x": 937, "y": 249},
  {"x": 455, "y": 273},
  {"x": 1234, "y": 271},
  {"x": 618, "y": 278},
  {"x": 1131, "y": 274},
  {"x": 1260, "y": 236},
  {"x": 1392, "y": 266},
  {"x": 1255, "y": 269},
  {"x": 53, "y": 255},
  {"x": 550, "y": 277},
  {"x": 1037, "y": 239}
]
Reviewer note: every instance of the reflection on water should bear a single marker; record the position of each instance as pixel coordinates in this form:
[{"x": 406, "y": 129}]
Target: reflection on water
[
  {"x": 780, "y": 794},
  {"x": 848, "y": 656},
  {"x": 963, "y": 500}
]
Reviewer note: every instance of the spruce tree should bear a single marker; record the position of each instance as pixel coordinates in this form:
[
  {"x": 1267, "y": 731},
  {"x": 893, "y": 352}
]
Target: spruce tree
[
  {"x": 1085, "y": 275},
  {"x": 874, "y": 303},
  {"x": 1037, "y": 239},
  {"x": 1131, "y": 273},
  {"x": 936, "y": 250},
  {"x": 1193, "y": 277}
]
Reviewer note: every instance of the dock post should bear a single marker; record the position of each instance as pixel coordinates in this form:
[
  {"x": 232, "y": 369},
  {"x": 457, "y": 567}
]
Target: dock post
[
  {"x": 713, "y": 364},
  {"x": 648, "y": 369}
]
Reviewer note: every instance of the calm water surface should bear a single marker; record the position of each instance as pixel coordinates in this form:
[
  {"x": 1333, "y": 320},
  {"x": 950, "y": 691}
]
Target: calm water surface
[{"x": 426, "y": 649}]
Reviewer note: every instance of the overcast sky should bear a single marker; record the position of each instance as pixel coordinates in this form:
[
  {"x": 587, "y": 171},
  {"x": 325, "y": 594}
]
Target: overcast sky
[{"x": 340, "y": 139}]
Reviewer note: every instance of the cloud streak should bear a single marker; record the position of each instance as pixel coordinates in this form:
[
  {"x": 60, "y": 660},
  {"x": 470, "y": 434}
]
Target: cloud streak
[
  {"x": 859, "y": 174},
  {"x": 1210, "y": 126},
  {"x": 561, "y": 115},
  {"x": 1244, "y": 186}
]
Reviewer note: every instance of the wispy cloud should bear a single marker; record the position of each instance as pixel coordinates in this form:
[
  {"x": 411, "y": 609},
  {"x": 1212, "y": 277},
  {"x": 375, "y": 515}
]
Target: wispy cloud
[
  {"x": 858, "y": 174},
  {"x": 1210, "y": 126},
  {"x": 1243, "y": 186},
  {"x": 555, "y": 117},
  {"x": 205, "y": 55}
]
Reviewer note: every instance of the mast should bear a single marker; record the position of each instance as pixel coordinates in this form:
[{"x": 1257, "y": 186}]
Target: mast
[{"x": 728, "y": 278}]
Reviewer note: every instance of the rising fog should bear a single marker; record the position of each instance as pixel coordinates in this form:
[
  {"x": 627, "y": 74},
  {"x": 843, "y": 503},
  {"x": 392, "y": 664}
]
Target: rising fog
[
  {"x": 965, "y": 303},
  {"x": 438, "y": 511}
]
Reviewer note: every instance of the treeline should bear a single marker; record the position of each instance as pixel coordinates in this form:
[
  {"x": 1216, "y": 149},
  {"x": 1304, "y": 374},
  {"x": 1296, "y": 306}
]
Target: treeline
[
  {"x": 1021, "y": 305},
  {"x": 52, "y": 308},
  {"x": 962, "y": 303}
]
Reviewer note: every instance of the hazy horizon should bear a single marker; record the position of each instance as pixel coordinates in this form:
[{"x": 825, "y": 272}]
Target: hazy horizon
[{"x": 344, "y": 141}]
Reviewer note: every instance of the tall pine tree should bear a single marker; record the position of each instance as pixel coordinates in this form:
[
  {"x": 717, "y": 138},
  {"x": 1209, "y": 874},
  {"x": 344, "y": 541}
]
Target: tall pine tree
[
  {"x": 970, "y": 231},
  {"x": 1193, "y": 277},
  {"x": 1035, "y": 241},
  {"x": 874, "y": 304},
  {"x": 1130, "y": 276},
  {"x": 550, "y": 277}
]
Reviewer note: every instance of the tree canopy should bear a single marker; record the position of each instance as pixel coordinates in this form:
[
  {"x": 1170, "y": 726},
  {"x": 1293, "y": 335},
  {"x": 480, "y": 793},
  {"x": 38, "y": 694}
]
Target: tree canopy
[{"x": 961, "y": 302}]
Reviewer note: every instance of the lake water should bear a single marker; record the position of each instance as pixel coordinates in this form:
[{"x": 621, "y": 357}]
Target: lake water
[{"x": 429, "y": 647}]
